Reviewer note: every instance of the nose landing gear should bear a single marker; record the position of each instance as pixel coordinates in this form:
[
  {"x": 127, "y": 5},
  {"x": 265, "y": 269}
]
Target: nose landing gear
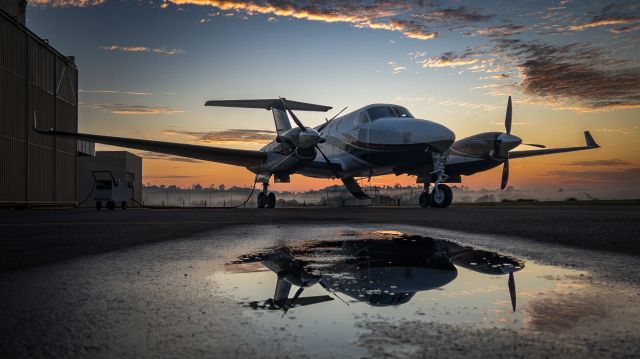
[
  {"x": 441, "y": 195},
  {"x": 266, "y": 199}
]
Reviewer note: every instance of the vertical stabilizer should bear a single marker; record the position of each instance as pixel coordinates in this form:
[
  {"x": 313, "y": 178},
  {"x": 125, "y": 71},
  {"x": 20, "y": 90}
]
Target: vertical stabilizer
[{"x": 281, "y": 120}]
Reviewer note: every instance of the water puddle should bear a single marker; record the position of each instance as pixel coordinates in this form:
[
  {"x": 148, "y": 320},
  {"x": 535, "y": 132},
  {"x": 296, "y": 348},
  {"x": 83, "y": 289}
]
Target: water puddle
[{"x": 324, "y": 291}]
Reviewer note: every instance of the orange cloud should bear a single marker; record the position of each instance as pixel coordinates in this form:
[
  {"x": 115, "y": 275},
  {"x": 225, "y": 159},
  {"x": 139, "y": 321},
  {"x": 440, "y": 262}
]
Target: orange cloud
[
  {"x": 143, "y": 49},
  {"x": 371, "y": 17},
  {"x": 66, "y": 3},
  {"x": 121, "y": 109},
  {"x": 603, "y": 22}
]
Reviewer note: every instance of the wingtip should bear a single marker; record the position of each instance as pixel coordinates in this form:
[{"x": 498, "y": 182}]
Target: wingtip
[{"x": 589, "y": 140}]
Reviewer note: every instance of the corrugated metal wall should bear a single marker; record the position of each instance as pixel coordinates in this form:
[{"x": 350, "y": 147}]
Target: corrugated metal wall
[{"x": 35, "y": 80}]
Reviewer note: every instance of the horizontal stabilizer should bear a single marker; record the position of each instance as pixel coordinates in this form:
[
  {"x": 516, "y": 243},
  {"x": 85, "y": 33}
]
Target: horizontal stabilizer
[{"x": 268, "y": 104}]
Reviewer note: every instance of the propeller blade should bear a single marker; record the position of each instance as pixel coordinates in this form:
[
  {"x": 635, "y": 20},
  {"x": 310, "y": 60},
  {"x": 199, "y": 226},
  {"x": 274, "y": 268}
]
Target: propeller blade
[
  {"x": 333, "y": 292},
  {"x": 337, "y": 114},
  {"x": 535, "y": 145},
  {"x": 505, "y": 173},
  {"x": 326, "y": 159},
  {"x": 293, "y": 301},
  {"x": 507, "y": 120},
  {"x": 512, "y": 290},
  {"x": 293, "y": 115}
]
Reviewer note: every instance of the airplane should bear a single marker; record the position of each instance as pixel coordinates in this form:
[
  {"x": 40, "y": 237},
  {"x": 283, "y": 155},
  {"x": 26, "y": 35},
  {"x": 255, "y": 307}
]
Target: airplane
[
  {"x": 381, "y": 272},
  {"x": 377, "y": 139}
]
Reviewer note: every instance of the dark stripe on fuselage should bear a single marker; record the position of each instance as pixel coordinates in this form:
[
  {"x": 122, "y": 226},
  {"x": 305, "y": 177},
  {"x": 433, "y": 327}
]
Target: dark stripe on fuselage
[{"x": 383, "y": 154}]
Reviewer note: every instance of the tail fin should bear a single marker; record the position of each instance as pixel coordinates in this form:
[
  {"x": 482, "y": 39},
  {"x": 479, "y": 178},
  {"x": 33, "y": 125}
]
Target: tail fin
[
  {"x": 275, "y": 105},
  {"x": 589, "y": 139}
]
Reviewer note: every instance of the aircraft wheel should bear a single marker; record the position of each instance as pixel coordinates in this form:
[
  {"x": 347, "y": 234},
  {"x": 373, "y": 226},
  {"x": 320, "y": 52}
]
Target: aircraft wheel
[
  {"x": 123, "y": 205},
  {"x": 261, "y": 199},
  {"x": 424, "y": 199},
  {"x": 98, "y": 205},
  {"x": 271, "y": 200},
  {"x": 111, "y": 206},
  {"x": 441, "y": 196}
]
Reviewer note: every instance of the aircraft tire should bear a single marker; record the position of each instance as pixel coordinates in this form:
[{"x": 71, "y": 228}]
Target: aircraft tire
[
  {"x": 424, "y": 199},
  {"x": 98, "y": 205},
  {"x": 442, "y": 199},
  {"x": 123, "y": 205},
  {"x": 271, "y": 200},
  {"x": 261, "y": 200}
]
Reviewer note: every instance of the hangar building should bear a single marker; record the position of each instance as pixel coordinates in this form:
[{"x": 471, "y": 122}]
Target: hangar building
[{"x": 35, "y": 81}]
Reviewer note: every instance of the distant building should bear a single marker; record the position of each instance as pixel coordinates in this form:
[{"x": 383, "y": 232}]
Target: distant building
[
  {"x": 124, "y": 167},
  {"x": 36, "y": 81}
]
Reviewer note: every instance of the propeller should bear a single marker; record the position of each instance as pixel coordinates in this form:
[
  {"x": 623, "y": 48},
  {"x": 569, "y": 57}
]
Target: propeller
[
  {"x": 507, "y": 120},
  {"x": 507, "y": 127},
  {"x": 505, "y": 142},
  {"x": 535, "y": 145},
  {"x": 293, "y": 301},
  {"x": 326, "y": 287},
  {"x": 315, "y": 134},
  {"x": 512, "y": 290},
  {"x": 505, "y": 173}
]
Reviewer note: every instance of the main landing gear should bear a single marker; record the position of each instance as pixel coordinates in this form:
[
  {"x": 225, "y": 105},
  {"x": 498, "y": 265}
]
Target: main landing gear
[
  {"x": 266, "y": 199},
  {"x": 440, "y": 197},
  {"x": 441, "y": 194}
]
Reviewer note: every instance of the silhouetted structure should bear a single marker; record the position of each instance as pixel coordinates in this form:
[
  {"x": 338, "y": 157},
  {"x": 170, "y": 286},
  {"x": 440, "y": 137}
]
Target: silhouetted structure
[{"x": 36, "y": 81}]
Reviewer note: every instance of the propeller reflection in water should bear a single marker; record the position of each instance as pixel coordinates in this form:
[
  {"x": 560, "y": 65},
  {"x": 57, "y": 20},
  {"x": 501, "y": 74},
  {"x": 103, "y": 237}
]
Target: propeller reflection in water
[{"x": 380, "y": 269}]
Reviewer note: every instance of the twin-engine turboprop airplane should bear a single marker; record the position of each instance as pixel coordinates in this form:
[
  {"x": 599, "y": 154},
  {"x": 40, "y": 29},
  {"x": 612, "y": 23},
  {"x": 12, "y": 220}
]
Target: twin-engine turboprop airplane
[
  {"x": 375, "y": 140},
  {"x": 384, "y": 270}
]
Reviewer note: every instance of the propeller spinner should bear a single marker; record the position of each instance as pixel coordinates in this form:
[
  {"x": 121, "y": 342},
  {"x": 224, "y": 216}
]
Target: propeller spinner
[{"x": 309, "y": 137}]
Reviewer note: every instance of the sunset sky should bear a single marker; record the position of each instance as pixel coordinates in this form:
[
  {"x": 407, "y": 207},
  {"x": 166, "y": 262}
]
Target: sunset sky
[{"x": 147, "y": 67}]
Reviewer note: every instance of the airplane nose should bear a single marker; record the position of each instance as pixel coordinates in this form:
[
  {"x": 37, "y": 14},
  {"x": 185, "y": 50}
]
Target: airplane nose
[{"x": 412, "y": 131}]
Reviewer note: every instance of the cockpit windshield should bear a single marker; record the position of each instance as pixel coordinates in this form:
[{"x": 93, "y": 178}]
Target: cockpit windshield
[{"x": 388, "y": 111}]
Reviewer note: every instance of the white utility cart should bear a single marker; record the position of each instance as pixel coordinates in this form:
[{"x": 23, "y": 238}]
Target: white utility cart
[{"x": 110, "y": 190}]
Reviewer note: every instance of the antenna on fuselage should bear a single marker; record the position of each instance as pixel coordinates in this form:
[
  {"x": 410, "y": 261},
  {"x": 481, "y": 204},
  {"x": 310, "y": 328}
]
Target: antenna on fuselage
[{"x": 336, "y": 115}]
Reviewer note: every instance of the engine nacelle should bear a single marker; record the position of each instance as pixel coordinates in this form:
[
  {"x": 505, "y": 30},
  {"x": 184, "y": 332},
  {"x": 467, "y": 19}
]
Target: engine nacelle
[{"x": 296, "y": 138}]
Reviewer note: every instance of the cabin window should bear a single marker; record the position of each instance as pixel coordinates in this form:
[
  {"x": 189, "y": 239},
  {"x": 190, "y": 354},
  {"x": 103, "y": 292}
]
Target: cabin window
[
  {"x": 364, "y": 118},
  {"x": 402, "y": 112}
]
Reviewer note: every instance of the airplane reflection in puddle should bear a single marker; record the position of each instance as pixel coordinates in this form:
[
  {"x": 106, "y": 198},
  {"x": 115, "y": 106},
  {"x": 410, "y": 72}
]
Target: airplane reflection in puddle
[{"x": 382, "y": 269}]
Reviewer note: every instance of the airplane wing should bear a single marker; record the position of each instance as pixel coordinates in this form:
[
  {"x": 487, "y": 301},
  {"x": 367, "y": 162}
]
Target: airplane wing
[
  {"x": 229, "y": 156},
  {"x": 591, "y": 144}
]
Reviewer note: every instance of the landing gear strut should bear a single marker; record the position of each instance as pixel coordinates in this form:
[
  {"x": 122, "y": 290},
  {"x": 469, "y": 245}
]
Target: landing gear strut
[
  {"x": 441, "y": 194},
  {"x": 266, "y": 199}
]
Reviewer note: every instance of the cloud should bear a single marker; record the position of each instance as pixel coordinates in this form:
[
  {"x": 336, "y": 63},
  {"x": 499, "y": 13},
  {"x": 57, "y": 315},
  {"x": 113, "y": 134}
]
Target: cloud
[
  {"x": 122, "y": 109},
  {"x": 231, "y": 135},
  {"x": 449, "y": 59},
  {"x": 66, "y": 3},
  {"x": 461, "y": 14},
  {"x": 470, "y": 106},
  {"x": 143, "y": 49},
  {"x": 608, "y": 16},
  {"x": 116, "y": 92},
  {"x": 601, "y": 163},
  {"x": 582, "y": 76},
  {"x": 501, "y": 30},
  {"x": 624, "y": 29},
  {"x": 384, "y": 15},
  {"x": 627, "y": 176},
  {"x": 395, "y": 68},
  {"x": 162, "y": 156}
]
